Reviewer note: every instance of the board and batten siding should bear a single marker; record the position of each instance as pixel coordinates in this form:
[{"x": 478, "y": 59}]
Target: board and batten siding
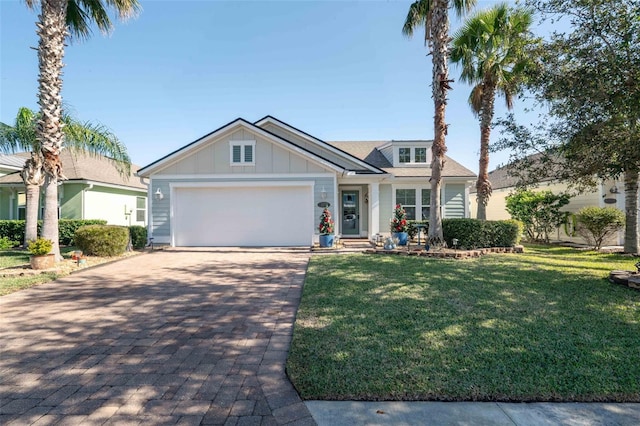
[
  {"x": 214, "y": 157},
  {"x": 312, "y": 147},
  {"x": 161, "y": 209}
]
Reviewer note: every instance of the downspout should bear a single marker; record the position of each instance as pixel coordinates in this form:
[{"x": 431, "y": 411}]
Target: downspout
[{"x": 84, "y": 191}]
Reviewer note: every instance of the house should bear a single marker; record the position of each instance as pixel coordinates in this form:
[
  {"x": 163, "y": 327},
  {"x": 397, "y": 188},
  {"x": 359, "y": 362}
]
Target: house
[
  {"x": 94, "y": 190},
  {"x": 609, "y": 193},
  {"x": 266, "y": 184}
]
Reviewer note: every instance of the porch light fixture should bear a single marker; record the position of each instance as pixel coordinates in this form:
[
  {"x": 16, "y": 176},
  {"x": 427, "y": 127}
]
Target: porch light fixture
[
  {"x": 323, "y": 193},
  {"x": 614, "y": 190},
  {"x": 158, "y": 195}
]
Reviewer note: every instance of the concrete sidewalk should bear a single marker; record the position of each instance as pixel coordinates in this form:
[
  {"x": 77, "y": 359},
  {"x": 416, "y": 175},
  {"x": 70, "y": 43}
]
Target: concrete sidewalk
[{"x": 351, "y": 413}]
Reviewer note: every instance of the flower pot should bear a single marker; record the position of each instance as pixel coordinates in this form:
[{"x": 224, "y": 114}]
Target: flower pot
[
  {"x": 46, "y": 261},
  {"x": 326, "y": 240},
  {"x": 402, "y": 238}
]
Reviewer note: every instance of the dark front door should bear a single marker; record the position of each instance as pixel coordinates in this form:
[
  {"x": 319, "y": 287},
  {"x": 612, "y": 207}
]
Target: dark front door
[{"x": 350, "y": 213}]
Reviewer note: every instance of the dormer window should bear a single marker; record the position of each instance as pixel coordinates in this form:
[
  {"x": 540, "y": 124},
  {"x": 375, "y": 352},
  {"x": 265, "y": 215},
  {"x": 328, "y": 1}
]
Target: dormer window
[
  {"x": 242, "y": 153},
  {"x": 412, "y": 156},
  {"x": 404, "y": 155}
]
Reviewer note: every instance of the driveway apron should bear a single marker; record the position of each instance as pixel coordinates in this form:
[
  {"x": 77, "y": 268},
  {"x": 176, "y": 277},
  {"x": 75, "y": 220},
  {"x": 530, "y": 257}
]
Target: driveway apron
[{"x": 169, "y": 337}]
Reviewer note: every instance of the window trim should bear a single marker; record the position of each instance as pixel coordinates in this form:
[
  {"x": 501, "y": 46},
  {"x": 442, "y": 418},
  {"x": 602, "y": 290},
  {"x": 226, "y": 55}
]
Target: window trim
[
  {"x": 242, "y": 144},
  {"x": 418, "y": 188},
  {"x": 410, "y": 155}
]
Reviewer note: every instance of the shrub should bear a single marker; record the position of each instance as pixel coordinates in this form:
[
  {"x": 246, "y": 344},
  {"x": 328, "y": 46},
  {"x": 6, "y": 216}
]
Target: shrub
[
  {"x": 474, "y": 233},
  {"x": 538, "y": 211},
  {"x": 40, "y": 247},
  {"x": 138, "y": 236},
  {"x": 68, "y": 227},
  {"x": 102, "y": 240},
  {"x": 14, "y": 229},
  {"x": 6, "y": 243},
  {"x": 595, "y": 224}
]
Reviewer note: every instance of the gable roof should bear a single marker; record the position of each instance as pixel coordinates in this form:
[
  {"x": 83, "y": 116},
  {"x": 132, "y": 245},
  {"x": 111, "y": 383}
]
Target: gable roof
[
  {"x": 239, "y": 122},
  {"x": 367, "y": 166},
  {"x": 84, "y": 167},
  {"x": 369, "y": 152}
]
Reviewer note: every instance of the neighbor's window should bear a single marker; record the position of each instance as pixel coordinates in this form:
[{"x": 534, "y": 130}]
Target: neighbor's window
[
  {"x": 426, "y": 202},
  {"x": 421, "y": 155},
  {"x": 407, "y": 198},
  {"x": 22, "y": 205},
  {"x": 404, "y": 155},
  {"x": 141, "y": 209},
  {"x": 242, "y": 153}
]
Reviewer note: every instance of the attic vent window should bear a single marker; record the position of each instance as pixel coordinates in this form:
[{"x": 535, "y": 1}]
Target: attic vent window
[{"x": 242, "y": 153}]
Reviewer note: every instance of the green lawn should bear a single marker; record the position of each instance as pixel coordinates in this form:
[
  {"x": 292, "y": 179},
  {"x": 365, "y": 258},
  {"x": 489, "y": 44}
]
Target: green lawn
[
  {"x": 10, "y": 258},
  {"x": 541, "y": 326}
]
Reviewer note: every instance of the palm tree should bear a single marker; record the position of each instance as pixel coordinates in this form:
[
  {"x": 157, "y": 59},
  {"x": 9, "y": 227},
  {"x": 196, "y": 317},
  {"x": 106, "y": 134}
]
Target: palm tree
[
  {"x": 57, "y": 20},
  {"x": 490, "y": 47},
  {"x": 85, "y": 137},
  {"x": 434, "y": 16}
]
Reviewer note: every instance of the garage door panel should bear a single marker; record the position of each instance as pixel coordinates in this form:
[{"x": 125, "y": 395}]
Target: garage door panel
[{"x": 256, "y": 216}]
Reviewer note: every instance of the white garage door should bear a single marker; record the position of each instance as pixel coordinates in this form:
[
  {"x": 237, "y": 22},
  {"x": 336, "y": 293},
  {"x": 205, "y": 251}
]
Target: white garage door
[{"x": 241, "y": 216}]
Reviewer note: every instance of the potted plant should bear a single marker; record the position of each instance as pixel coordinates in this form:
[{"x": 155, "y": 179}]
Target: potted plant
[
  {"x": 326, "y": 229},
  {"x": 41, "y": 256},
  {"x": 399, "y": 225}
]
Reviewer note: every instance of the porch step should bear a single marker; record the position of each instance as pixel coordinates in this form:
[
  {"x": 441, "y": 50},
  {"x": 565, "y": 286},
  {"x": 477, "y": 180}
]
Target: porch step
[{"x": 355, "y": 243}]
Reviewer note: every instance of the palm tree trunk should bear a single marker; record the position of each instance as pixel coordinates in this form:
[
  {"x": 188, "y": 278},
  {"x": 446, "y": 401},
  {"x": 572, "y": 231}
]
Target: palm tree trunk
[
  {"x": 52, "y": 31},
  {"x": 483, "y": 185},
  {"x": 33, "y": 178},
  {"x": 439, "y": 86},
  {"x": 631, "y": 236}
]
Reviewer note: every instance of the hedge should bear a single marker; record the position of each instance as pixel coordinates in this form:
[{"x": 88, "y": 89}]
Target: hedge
[
  {"x": 14, "y": 229},
  {"x": 102, "y": 240},
  {"x": 474, "y": 233},
  {"x": 138, "y": 236}
]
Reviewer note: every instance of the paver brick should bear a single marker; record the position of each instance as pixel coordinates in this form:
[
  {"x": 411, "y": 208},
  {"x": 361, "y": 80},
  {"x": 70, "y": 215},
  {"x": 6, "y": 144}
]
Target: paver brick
[{"x": 202, "y": 339}]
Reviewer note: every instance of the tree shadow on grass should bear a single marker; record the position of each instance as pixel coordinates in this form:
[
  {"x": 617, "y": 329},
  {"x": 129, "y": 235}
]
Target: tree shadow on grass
[{"x": 475, "y": 330}]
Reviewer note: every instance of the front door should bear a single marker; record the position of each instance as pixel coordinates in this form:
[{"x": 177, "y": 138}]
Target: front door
[{"x": 350, "y": 213}]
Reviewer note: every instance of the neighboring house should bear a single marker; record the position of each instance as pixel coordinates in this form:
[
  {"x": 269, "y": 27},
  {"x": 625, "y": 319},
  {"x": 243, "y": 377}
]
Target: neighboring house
[
  {"x": 11, "y": 163},
  {"x": 94, "y": 190},
  {"x": 266, "y": 183},
  {"x": 609, "y": 193}
]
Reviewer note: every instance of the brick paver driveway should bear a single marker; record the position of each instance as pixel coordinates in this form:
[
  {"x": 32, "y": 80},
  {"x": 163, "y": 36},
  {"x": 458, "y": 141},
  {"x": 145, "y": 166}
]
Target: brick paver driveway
[{"x": 170, "y": 337}]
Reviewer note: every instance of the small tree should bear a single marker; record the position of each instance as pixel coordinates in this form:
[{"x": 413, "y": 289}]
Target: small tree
[
  {"x": 596, "y": 224},
  {"x": 538, "y": 211},
  {"x": 326, "y": 223}
]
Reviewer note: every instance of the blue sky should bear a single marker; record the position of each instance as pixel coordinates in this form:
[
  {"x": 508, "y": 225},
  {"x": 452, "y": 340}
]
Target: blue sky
[{"x": 339, "y": 70}]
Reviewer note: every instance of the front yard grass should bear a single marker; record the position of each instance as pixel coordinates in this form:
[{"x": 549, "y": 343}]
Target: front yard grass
[{"x": 545, "y": 325}]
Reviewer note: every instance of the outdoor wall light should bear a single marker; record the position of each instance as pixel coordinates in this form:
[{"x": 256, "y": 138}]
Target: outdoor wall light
[
  {"x": 158, "y": 194},
  {"x": 323, "y": 193},
  {"x": 614, "y": 190}
]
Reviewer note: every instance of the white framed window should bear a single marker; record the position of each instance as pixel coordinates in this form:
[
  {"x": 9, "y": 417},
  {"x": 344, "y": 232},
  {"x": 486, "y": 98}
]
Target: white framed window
[
  {"x": 426, "y": 203},
  {"x": 407, "y": 199},
  {"x": 141, "y": 209},
  {"x": 242, "y": 153},
  {"x": 22, "y": 205},
  {"x": 404, "y": 155},
  {"x": 420, "y": 155},
  {"x": 415, "y": 199}
]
